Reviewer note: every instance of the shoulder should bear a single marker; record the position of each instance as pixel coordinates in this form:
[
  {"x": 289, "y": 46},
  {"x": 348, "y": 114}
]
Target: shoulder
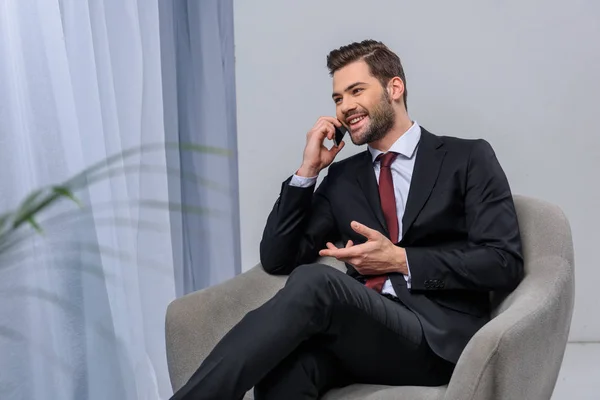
[
  {"x": 458, "y": 144},
  {"x": 348, "y": 163}
]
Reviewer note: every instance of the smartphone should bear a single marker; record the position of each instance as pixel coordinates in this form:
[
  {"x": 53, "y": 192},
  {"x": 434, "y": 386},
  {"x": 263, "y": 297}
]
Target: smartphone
[{"x": 339, "y": 134}]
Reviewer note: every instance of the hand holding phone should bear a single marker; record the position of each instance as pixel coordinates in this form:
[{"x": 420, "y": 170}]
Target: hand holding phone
[{"x": 316, "y": 155}]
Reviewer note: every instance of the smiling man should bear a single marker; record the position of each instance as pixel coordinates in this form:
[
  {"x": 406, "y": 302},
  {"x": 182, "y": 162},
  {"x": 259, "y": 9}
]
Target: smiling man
[{"x": 428, "y": 228}]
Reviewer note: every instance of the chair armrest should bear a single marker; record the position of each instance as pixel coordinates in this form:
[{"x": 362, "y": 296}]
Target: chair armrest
[
  {"x": 518, "y": 354},
  {"x": 196, "y": 322}
]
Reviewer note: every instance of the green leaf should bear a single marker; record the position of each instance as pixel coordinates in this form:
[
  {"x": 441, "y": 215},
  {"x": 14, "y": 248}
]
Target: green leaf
[
  {"x": 5, "y": 221},
  {"x": 65, "y": 192},
  {"x": 80, "y": 179},
  {"x": 29, "y": 200},
  {"x": 35, "y": 225},
  {"x": 157, "y": 169},
  {"x": 176, "y": 207},
  {"x": 199, "y": 148},
  {"x": 42, "y": 198},
  {"x": 4, "y": 218},
  {"x": 24, "y": 215},
  {"x": 70, "y": 248},
  {"x": 11, "y": 239},
  {"x": 28, "y": 204}
]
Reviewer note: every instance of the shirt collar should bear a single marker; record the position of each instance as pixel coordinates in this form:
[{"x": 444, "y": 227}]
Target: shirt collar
[{"x": 405, "y": 145}]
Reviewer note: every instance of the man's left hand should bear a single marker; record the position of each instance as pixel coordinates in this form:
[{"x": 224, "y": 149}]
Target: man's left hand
[{"x": 377, "y": 256}]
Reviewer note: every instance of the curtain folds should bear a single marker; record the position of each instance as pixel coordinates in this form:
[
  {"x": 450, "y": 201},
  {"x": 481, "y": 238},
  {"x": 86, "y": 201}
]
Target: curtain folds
[{"x": 82, "y": 306}]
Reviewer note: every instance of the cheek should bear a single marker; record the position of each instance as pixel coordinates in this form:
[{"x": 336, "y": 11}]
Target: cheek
[{"x": 366, "y": 106}]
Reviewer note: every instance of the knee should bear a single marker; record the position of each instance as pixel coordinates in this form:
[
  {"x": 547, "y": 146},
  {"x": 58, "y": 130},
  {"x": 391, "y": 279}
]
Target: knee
[{"x": 312, "y": 275}]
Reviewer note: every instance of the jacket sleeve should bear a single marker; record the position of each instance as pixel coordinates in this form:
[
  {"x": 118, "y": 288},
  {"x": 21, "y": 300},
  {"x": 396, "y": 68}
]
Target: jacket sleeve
[
  {"x": 492, "y": 258},
  {"x": 298, "y": 227}
]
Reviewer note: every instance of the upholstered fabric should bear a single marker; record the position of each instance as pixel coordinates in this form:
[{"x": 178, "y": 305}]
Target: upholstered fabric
[{"x": 517, "y": 355}]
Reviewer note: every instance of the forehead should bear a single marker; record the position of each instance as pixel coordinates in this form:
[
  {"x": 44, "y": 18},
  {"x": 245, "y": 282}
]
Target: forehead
[{"x": 357, "y": 71}]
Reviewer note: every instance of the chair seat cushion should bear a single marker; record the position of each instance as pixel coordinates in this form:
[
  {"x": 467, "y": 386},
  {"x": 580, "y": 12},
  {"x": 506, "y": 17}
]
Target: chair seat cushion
[{"x": 377, "y": 392}]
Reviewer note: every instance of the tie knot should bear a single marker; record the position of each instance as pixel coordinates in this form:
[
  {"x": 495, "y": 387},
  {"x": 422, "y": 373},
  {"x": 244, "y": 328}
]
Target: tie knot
[{"x": 387, "y": 159}]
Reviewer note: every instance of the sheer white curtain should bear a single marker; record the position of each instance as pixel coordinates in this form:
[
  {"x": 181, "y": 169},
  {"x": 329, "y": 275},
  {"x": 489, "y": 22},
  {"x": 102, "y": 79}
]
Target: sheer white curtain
[
  {"x": 199, "y": 94},
  {"x": 82, "y": 307}
]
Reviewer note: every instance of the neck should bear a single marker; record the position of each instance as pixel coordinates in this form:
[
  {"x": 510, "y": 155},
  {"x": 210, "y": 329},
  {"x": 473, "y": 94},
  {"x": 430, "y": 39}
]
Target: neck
[{"x": 402, "y": 125}]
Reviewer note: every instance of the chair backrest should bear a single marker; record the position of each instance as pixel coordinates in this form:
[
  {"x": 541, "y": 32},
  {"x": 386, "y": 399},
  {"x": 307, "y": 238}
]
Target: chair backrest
[
  {"x": 545, "y": 232},
  {"x": 518, "y": 354}
]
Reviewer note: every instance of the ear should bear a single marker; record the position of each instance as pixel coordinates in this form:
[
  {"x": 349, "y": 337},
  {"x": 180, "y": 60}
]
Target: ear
[{"x": 396, "y": 89}]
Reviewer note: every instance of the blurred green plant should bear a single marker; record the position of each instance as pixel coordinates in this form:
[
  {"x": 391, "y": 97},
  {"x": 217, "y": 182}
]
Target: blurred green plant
[
  {"x": 14, "y": 224},
  {"x": 33, "y": 218}
]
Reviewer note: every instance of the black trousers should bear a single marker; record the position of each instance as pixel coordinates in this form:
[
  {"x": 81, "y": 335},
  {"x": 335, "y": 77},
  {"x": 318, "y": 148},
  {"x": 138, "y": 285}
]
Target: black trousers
[{"x": 323, "y": 330}]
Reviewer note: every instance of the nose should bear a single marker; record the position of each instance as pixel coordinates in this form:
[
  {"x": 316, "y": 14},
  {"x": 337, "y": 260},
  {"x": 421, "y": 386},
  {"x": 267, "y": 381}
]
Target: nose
[{"x": 345, "y": 107}]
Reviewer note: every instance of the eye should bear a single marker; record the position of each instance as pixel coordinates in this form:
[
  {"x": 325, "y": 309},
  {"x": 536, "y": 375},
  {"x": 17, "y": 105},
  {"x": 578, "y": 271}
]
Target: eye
[
  {"x": 337, "y": 100},
  {"x": 357, "y": 90}
]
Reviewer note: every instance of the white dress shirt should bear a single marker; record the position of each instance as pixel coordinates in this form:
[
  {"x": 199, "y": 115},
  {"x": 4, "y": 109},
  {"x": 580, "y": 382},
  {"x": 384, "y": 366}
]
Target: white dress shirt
[{"x": 402, "y": 170}]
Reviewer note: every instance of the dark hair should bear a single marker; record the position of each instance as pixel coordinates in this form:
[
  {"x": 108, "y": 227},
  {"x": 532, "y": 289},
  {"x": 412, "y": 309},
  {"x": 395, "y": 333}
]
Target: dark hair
[{"x": 383, "y": 63}]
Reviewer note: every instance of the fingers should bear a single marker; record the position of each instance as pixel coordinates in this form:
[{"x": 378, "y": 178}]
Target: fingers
[
  {"x": 345, "y": 253},
  {"x": 332, "y": 120},
  {"x": 326, "y": 126},
  {"x": 331, "y": 250},
  {"x": 330, "y": 132},
  {"x": 367, "y": 232},
  {"x": 325, "y": 129},
  {"x": 334, "y": 150},
  {"x": 328, "y": 251}
]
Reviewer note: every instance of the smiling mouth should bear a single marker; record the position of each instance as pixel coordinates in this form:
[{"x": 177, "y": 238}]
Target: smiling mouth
[{"x": 357, "y": 121}]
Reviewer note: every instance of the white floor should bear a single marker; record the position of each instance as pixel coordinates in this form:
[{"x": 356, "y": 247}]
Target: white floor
[{"x": 579, "y": 377}]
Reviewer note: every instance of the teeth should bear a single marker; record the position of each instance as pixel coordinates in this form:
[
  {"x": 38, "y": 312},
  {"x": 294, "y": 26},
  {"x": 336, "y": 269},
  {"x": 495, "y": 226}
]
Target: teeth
[{"x": 355, "y": 120}]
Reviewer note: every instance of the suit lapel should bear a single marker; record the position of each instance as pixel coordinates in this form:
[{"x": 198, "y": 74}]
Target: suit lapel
[
  {"x": 430, "y": 155},
  {"x": 365, "y": 174}
]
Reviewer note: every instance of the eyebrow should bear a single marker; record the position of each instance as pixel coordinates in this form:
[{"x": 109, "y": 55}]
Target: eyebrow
[{"x": 349, "y": 88}]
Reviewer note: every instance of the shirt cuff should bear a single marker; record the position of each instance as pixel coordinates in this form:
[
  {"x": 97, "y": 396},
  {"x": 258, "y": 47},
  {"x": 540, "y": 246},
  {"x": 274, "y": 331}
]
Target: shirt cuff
[
  {"x": 407, "y": 276},
  {"x": 303, "y": 182}
]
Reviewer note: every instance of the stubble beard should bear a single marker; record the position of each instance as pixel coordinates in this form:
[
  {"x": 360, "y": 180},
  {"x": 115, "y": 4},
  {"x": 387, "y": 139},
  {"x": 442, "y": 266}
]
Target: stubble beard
[{"x": 381, "y": 121}]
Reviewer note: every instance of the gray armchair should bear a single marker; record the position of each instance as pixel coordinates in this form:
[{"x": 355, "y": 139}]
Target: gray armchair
[{"x": 517, "y": 355}]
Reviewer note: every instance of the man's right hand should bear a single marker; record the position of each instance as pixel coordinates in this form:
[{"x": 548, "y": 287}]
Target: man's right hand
[{"x": 316, "y": 155}]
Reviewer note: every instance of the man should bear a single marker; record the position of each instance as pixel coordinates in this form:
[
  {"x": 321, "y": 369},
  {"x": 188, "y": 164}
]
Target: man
[{"x": 429, "y": 229}]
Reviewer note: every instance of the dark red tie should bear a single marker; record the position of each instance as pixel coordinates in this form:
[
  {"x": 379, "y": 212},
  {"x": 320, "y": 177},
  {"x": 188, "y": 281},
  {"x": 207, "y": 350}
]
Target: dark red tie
[{"x": 388, "y": 206}]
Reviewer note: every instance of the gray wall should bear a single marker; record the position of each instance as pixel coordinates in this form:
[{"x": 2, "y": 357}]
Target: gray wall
[{"x": 523, "y": 75}]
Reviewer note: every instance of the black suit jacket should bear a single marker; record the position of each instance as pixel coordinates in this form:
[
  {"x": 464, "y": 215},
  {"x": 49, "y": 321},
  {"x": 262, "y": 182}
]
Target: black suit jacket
[{"x": 459, "y": 230}]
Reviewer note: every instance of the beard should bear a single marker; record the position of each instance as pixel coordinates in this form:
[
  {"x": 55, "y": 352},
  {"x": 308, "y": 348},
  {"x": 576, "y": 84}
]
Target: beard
[{"x": 382, "y": 120}]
